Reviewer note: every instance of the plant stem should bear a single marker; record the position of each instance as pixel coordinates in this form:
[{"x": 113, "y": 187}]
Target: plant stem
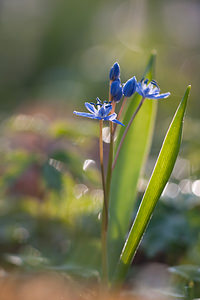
[
  {"x": 104, "y": 212},
  {"x": 126, "y": 131},
  {"x": 110, "y": 161}
]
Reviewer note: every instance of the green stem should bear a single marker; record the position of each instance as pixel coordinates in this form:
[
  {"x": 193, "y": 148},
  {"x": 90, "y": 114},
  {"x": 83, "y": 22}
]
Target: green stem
[
  {"x": 104, "y": 212},
  {"x": 126, "y": 131}
]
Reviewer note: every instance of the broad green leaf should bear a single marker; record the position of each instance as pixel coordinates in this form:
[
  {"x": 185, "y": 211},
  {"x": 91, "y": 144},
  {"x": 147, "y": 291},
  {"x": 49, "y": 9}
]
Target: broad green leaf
[
  {"x": 128, "y": 169},
  {"x": 157, "y": 182}
]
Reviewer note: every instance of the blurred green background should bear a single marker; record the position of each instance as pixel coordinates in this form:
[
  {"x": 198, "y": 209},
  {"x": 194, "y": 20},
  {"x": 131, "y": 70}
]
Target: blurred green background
[{"x": 54, "y": 55}]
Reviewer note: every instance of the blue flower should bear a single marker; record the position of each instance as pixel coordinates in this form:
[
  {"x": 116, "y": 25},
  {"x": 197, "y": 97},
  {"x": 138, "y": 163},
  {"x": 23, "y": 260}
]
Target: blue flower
[
  {"x": 150, "y": 90},
  {"x": 129, "y": 87},
  {"x": 116, "y": 90},
  {"x": 99, "y": 111},
  {"x": 114, "y": 72}
]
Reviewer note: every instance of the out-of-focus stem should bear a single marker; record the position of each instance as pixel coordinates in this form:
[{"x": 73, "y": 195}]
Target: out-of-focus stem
[
  {"x": 110, "y": 161},
  {"x": 126, "y": 131},
  {"x": 104, "y": 212},
  {"x": 113, "y": 107}
]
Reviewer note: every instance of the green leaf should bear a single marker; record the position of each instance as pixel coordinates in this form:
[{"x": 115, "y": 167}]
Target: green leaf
[
  {"x": 188, "y": 272},
  {"x": 127, "y": 171},
  {"x": 157, "y": 182}
]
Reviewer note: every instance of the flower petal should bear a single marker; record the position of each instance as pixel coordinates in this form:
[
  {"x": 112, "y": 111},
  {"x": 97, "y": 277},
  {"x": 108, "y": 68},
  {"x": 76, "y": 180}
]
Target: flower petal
[
  {"x": 108, "y": 110},
  {"x": 110, "y": 117},
  {"x": 139, "y": 89},
  {"x": 117, "y": 122},
  {"x": 101, "y": 112},
  {"x": 90, "y": 107},
  {"x": 158, "y": 96},
  {"x": 82, "y": 114}
]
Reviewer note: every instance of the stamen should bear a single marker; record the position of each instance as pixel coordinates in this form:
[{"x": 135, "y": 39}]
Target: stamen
[
  {"x": 146, "y": 81},
  {"x": 154, "y": 83},
  {"x": 98, "y": 100}
]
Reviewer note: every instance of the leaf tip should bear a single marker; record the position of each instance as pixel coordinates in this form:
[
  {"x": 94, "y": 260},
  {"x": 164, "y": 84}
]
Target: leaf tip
[
  {"x": 183, "y": 103},
  {"x": 187, "y": 91}
]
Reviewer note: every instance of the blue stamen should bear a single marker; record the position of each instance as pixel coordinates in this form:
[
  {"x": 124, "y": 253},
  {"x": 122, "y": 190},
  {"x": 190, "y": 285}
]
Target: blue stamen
[
  {"x": 154, "y": 83},
  {"x": 98, "y": 100}
]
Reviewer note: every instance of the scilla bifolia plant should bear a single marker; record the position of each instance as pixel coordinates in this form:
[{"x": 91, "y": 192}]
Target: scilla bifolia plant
[{"x": 126, "y": 159}]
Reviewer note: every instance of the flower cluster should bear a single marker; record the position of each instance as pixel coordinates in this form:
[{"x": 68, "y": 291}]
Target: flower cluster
[
  {"x": 101, "y": 111},
  {"x": 146, "y": 89},
  {"x": 116, "y": 89}
]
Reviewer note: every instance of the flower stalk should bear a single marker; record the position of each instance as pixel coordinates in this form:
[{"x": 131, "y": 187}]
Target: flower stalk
[{"x": 105, "y": 210}]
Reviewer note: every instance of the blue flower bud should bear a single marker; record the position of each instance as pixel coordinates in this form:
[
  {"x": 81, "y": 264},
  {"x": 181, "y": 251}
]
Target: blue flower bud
[
  {"x": 114, "y": 72},
  {"x": 118, "y": 96},
  {"x": 129, "y": 87},
  {"x": 116, "y": 90},
  {"x": 115, "y": 87}
]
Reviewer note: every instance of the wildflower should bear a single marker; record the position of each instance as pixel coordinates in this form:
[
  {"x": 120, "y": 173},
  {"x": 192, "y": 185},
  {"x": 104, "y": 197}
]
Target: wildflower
[
  {"x": 150, "y": 90},
  {"x": 114, "y": 72},
  {"x": 116, "y": 90},
  {"x": 129, "y": 87},
  {"x": 100, "y": 112}
]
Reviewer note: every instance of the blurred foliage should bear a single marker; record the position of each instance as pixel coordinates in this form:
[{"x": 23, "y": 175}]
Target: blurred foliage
[{"x": 49, "y": 204}]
